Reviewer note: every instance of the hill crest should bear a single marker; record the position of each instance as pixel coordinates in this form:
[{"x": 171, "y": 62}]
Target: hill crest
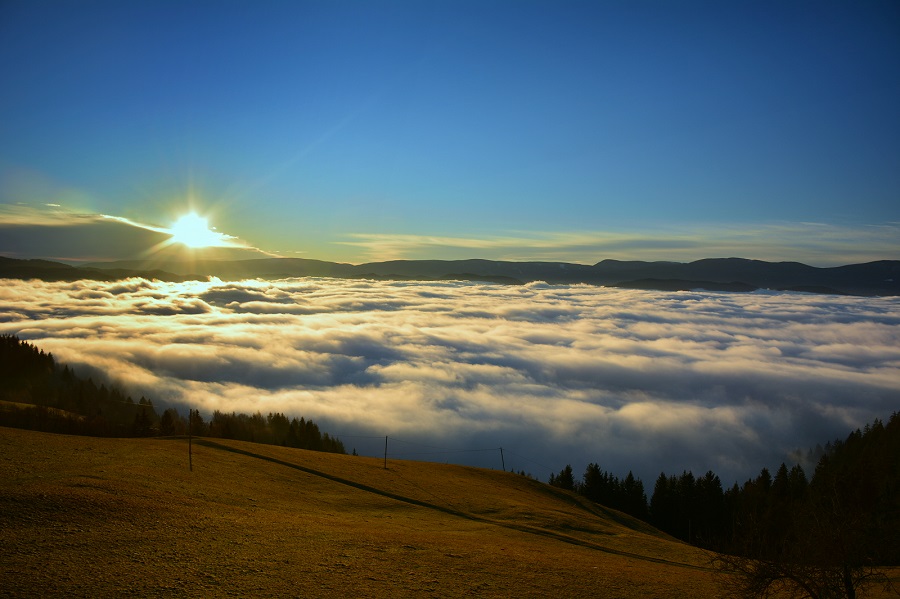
[{"x": 729, "y": 274}]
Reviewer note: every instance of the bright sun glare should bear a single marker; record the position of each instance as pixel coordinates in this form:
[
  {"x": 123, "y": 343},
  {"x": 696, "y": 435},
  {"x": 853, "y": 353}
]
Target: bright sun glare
[{"x": 193, "y": 231}]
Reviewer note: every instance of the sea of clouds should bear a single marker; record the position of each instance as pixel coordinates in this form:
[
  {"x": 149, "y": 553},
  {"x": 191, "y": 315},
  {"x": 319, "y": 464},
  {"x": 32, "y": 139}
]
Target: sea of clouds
[{"x": 555, "y": 374}]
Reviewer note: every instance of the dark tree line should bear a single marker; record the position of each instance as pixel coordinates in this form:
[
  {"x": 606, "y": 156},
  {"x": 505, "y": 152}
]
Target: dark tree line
[
  {"x": 274, "y": 429},
  {"x": 824, "y": 536},
  {"x": 37, "y": 393},
  {"x": 829, "y": 537},
  {"x": 854, "y": 493},
  {"x": 694, "y": 509},
  {"x": 626, "y": 495}
]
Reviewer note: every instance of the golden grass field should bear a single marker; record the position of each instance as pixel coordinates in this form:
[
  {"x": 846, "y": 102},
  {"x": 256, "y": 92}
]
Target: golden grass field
[{"x": 90, "y": 517}]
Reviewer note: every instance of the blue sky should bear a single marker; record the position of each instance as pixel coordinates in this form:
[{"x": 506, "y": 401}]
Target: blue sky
[{"x": 358, "y": 131}]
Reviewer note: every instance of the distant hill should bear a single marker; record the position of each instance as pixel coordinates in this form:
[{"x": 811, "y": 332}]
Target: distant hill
[
  {"x": 46, "y": 270},
  {"x": 683, "y": 285},
  {"x": 719, "y": 274},
  {"x": 873, "y": 278}
]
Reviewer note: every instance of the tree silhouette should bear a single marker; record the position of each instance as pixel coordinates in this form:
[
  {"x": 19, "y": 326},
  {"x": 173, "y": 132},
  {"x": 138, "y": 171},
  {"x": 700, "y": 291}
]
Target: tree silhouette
[
  {"x": 142, "y": 424},
  {"x": 826, "y": 538},
  {"x": 52, "y": 398},
  {"x": 564, "y": 480}
]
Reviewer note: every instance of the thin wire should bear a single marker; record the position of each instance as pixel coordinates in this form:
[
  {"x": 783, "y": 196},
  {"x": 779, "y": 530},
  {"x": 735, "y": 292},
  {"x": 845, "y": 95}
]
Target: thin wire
[
  {"x": 414, "y": 443},
  {"x": 529, "y": 460},
  {"x": 438, "y": 447},
  {"x": 441, "y": 452}
]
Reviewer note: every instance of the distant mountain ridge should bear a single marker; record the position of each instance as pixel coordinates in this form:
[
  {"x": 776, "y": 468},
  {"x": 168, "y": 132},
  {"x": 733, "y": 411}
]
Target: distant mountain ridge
[
  {"x": 715, "y": 274},
  {"x": 48, "y": 270}
]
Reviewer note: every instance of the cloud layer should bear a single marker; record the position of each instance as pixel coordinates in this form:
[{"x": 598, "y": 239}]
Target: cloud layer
[{"x": 630, "y": 379}]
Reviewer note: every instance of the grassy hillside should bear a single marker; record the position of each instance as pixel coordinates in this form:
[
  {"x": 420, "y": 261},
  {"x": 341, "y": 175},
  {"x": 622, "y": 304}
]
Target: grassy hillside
[{"x": 96, "y": 517}]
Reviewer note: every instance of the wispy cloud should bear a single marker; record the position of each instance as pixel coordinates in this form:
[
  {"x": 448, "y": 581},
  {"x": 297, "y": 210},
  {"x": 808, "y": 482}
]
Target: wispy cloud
[
  {"x": 55, "y": 232},
  {"x": 813, "y": 243},
  {"x": 47, "y": 215},
  {"x": 559, "y": 374},
  {"x": 131, "y": 223}
]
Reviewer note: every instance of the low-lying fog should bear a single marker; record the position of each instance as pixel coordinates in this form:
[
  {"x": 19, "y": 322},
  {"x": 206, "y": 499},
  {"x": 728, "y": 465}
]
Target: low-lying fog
[{"x": 639, "y": 380}]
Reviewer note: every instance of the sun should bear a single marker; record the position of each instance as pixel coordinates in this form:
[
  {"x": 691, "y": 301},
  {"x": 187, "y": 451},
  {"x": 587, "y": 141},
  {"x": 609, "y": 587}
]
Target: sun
[{"x": 194, "y": 231}]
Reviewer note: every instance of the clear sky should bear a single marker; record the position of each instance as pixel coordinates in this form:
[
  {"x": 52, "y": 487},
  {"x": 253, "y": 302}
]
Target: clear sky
[{"x": 357, "y": 131}]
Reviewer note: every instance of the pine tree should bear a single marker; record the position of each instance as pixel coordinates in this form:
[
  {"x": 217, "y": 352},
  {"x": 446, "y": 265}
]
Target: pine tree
[{"x": 564, "y": 480}]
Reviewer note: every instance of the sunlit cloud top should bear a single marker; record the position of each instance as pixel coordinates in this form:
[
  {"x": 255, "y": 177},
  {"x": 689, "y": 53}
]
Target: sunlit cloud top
[{"x": 558, "y": 374}]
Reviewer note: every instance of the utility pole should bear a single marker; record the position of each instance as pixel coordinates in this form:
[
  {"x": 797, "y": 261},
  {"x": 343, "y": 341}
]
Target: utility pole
[
  {"x": 502, "y": 461},
  {"x": 385, "y": 452}
]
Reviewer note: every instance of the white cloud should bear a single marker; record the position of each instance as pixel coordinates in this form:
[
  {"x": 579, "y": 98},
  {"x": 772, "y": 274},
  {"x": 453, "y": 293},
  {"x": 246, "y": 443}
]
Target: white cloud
[{"x": 556, "y": 374}]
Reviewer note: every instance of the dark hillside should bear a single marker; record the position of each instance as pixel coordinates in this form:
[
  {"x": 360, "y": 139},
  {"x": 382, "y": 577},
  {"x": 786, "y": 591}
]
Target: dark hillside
[{"x": 37, "y": 393}]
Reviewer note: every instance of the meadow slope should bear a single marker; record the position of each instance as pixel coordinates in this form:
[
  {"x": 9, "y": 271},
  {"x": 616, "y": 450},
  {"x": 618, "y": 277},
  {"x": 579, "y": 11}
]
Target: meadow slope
[{"x": 97, "y": 517}]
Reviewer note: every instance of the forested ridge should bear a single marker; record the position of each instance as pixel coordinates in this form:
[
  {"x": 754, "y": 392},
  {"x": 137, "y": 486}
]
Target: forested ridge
[
  {"x": 824, "y": 536},
  {"x": 858, "y": 476},
  {"x": 38, "y": 393},
  {"x": 877, "y": 278}
]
